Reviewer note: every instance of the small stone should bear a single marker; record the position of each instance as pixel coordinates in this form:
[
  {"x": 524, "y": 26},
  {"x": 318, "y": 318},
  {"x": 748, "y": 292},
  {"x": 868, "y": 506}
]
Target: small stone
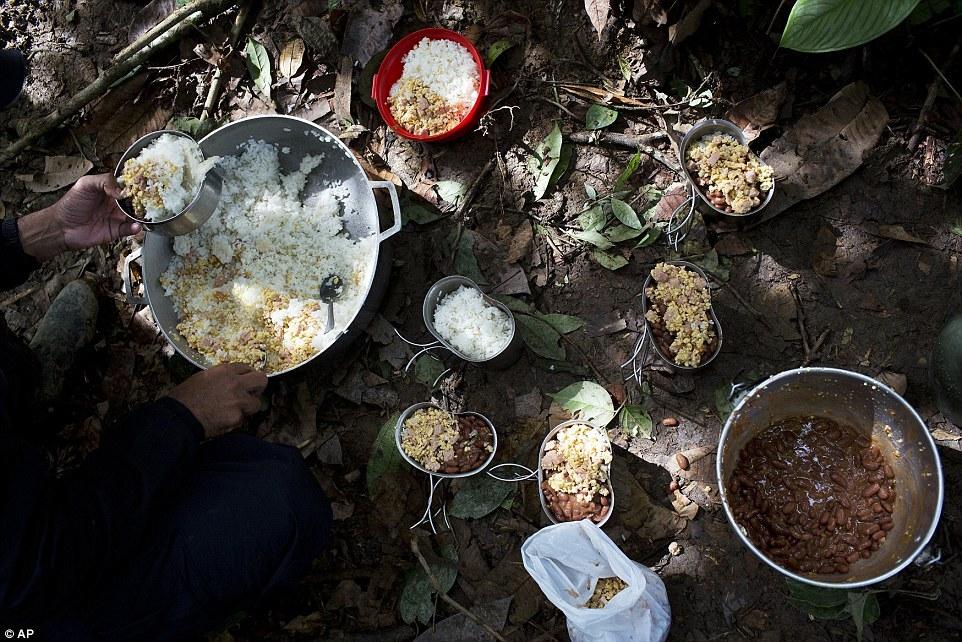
[
  {"x": 673, "y": 486},
  {"x": 675, "y": 549},
  {"x": 352, "y": 476},
  {"x": 670, "y": 422},
  {"x": 683, "y": 462}
]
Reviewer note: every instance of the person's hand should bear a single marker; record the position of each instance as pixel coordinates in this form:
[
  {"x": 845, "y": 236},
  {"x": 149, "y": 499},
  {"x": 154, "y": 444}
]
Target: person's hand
[
  {"x": 222, "y": 396},
  {"x": 87, "y": 215}
]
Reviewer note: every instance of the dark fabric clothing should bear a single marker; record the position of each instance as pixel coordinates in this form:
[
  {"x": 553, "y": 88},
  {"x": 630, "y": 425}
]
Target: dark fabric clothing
[
  {"x": 250, "y": 519},
  {"x": 157, "y": 535},
  {"x": 15, "y": 265}
]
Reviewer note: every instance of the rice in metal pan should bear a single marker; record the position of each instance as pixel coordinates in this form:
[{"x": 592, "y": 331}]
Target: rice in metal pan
[{"x": 245, "y": 284}]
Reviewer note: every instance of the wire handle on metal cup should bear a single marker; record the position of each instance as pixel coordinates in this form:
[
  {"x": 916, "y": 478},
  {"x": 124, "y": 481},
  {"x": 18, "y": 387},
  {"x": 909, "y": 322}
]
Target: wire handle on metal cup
[
  {"x": 426, "y": 348},
  {"x": 528, "y": 473},
  {"x": 429, "y": 513},
  {"x": 639, "y": 357},
  {"x": 675, "y": 231}
]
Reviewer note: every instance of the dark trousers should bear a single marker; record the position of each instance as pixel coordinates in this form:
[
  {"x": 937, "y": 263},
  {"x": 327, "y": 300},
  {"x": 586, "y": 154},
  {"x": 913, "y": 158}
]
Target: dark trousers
[{"x": 250, "y": 518}]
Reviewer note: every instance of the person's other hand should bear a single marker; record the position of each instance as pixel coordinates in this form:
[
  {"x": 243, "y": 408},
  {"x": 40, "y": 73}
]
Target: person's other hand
[
  {"x": 89, "y": 215},
  {"x": 85, "y": 216},
  {"x": 221, "y": 397}
]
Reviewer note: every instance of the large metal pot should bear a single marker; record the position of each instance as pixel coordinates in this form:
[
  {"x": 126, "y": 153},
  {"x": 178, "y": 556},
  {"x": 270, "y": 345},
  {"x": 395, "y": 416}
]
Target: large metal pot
[
  {"x": 872, "y": 408},
  {"x": 302, "y": 138}
]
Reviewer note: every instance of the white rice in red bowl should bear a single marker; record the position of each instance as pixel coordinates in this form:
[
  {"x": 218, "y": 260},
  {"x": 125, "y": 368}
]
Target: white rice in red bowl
[{"x": 438, "y": 87}]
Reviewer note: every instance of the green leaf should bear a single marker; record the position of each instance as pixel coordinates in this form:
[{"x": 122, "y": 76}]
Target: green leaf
[
  {"x": 588, "y": 400},
  {"x": 622, "y": 233},
  {"x": 259, "y": 66},
  {"x": 465, "y": 263},
  {"x": 196, "y": 127},
  {"x": 419, "y": 214},
  {"x": 599, "y": 117},
  {"x": 496, "y": 49},
  {"x": 384, "y": 457},
  {"x": 515, "y": 304},
  {"x": 635, "y": 421},
  {"x": 633, "y": 163},
  {"x": 427, "y": 369},
  {"x": 624, "y": 213},
  {"x": 451, "y": 191},
  {"x": 609, "y": 261},
  {"x": 952, "y": 168},
  {"x": 562, "y": 166},
  {"x": 723, "y": 405},
  {"x": 563, "y": 323},
  {"x": 591, "y": 192},
  {"x": 651, "y": 235},
  {"x": 417, "y": 596},
  {"x": 595, "y": 238},
  {"x": 625, "y": 69},
  {"x": 864, "y": 608},
  {"x": 711, "y": 263},
  {"x": 366, "y": 79},
  {"x": 541, "y": 338},
  {"x": 816, "y": 595},
  {"x": 818, "y": 26},
  {"x": 479, "y": 496},
  {"x": 957, "y": 227},
  {"x": 593, "y": 220},
  {"x": 547, "y": 154}
]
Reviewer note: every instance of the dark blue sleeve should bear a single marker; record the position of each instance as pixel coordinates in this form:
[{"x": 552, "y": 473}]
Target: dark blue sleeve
[
  {"x": 15, "y": 265},
  {"x": 60, "y": 535}
]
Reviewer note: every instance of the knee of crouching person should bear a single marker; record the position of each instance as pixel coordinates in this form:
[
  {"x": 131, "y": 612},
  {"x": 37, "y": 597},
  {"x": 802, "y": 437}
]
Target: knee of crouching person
[{"x": 310, "y": 506}]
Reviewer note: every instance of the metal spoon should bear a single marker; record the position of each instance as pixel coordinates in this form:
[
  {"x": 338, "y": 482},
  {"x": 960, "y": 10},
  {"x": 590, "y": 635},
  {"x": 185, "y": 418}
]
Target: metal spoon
[{"x": 331, "y": 288}]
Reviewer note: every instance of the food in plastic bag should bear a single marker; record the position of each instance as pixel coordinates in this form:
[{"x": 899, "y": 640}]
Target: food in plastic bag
[{"x": 569, "y": 560}]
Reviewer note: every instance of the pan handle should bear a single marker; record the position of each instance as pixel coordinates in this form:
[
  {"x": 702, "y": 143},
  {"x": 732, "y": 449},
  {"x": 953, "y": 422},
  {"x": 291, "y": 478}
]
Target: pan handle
[
  {"x": 128, "y": 287},
  {"x": 395, "y": 208}
]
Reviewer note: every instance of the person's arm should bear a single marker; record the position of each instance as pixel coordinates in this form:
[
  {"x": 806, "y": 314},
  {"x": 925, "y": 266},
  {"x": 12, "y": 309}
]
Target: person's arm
[
  {"x": 60, "y": 536},
  {"x": 85, "y": 216}
]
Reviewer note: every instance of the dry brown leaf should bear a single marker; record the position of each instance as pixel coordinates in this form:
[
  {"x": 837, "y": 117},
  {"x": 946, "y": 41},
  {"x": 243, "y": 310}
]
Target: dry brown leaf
[
  {"x": 943, "y": 435},
  {"x": 649, "y": 11},
  {"x": 521, "y": 243},
  {"x": 598, "y": 11},
  {"x": 684, "y": 506},
  {"x": 899, "y": 233},
  {"x": 342, "y": 89},
  {"x": 599, "y": 95},
  {"x": 150, "y": 15},
  {"x": 58, "y": 172},
  {"x": 759, "y": 112},
  {"x": 823, "y": 148},
  {"x": 291, "y": 58},
  {"x": 369, "y": 30},
  {"x": 689, "y": 24},
  {"x": 732, "y": 245},
  {"x": 125, "y": 114},
  {"x": 823, "y": 251},
  {"x": 894, "y": 380}
]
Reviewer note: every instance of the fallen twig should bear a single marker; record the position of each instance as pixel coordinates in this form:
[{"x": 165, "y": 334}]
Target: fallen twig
[
  {"x": 628, "y": 141},
  {"x": 215, "y": 82},
  {"x": 475, "y": 186},
  {"x": 121, "y": 67},
  {"x": 811, "y": 349},
  {"x": 447, "y": 598},
  {"x": 932, "y": 95}
]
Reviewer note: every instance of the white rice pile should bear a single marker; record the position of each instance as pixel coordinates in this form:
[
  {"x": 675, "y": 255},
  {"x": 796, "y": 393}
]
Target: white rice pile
[
  {"x": 165, "y": 176},
  {"x": 246, "y": 283},
  {"x": 472, "y": 325},
  {"x": 446, "y": 67}
]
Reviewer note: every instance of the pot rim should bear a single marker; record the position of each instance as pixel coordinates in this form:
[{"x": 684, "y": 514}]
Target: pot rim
[
  {"x": 723, "y": 489},
  {"x": 375, "y": 252}
]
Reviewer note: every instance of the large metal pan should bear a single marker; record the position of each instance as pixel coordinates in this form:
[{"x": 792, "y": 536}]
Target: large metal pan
[
  {"x": 302, "y": 138},
  {"x": 872, "y": 408}
]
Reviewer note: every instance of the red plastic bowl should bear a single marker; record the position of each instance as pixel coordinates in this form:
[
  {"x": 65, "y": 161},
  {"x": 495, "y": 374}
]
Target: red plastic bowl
[{"x": 392, "y": 66}]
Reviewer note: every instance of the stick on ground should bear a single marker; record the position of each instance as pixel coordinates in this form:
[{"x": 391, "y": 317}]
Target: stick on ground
[{"x": 447, "y": 598}]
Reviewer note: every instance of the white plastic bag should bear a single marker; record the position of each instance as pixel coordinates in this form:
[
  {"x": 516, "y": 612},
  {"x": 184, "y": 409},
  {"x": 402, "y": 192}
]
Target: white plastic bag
[{"x": 567, "y": 560}]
